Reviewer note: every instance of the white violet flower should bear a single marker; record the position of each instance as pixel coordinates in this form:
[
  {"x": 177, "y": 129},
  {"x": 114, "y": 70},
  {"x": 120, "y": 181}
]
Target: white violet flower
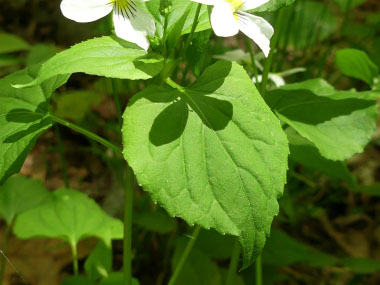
[
  {"x": 131, "y": 23},
  {"x": 229, "y": 16}
]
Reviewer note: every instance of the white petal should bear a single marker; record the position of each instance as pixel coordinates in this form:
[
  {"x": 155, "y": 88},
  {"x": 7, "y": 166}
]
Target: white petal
[
  {"x": 252, "y": 4},
  {"x": 84, "y": 11},
  {"x": 135, "y": 28},
  {"x": 208, "y": 2},
  {"x": 258, "y": 29},
  {"x": 223, "y": 21},
  {"x": 277, "y": 80}
]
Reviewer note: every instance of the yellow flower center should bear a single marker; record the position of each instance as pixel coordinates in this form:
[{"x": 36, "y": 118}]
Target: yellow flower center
[
  {"x": 125, "y": 8},
  {"x": 235, "y": 4}
]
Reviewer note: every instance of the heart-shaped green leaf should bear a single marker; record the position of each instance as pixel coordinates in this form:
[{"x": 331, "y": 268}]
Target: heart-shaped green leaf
[
  {"x": 69, "y": 215},
  {"x": 19, "y": 194},
  {"x": 213, "y": 154}
]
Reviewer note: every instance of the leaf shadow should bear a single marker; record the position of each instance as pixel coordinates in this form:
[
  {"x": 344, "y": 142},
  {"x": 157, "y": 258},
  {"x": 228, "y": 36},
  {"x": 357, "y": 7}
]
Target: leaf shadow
[{"x": 290, "y": 102}]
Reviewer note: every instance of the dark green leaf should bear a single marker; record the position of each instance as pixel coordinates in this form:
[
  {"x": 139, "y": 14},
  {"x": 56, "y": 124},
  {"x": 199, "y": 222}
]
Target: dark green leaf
[{"x": 11, "y": 43}]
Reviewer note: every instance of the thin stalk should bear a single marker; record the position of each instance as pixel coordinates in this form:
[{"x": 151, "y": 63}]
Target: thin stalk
[
  {"x": 85, "y": 132},
  {"x": 61, "y": 152},
  {"x": 115, "y": 94},
  {"x": 233, "y": 264},
  {"x": 128, "y": 208},
  {"x": 184, "y": 256},
  {"x": 252, "y": 55},
  {"x": 74, "y": 251},
  {"x": 273, "y": 45},
  {"x": 259, "y": 271},
  {"x": 193, "y": 27},
  {"x": 4, "y": 251}
]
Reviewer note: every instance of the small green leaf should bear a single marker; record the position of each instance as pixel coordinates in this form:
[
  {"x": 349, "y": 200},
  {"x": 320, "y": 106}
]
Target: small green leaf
[
  {"x": 11, "y": 43},
  {"x": 40, "y": 53},
  {"x": 105, "y": 56},
  {"x": 198, "y": 268},
  {"x": 304, "y": 152},
  {"x": 339, "y": 123},
  {"x": 212, "y": 154},
  {"x": 117, "y": 278},
  {"x": 99, "y": 263},
  {"x": 69, "y": 215},
  {"x": 372, "y": 190},
  {"x": 19, "y": 194},
  {"x": 273, "y": 5},
  {"x": 23, "y": 117},
  {"x": 75, "y": 105},
  {"x": 361, "y": 265},
  {"x": 356, "y": 63}
]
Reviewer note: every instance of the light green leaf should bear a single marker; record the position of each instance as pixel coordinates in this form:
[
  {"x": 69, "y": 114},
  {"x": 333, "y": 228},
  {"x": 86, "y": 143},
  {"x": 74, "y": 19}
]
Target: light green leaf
[
  {"x": 105, "y": 56},
  {"x": 19, "y": 194},
  {"x": 304, "y": 152},
  {"x": 11, "y": 43},
  {"x": 356, "y": 63},
  {"x": 198, "y": 268},
  {"x": 156, "y": 221},
  {"x": 212, "y": 154},
  {"x": 273, "y": 5},
  {"x": 75, "y": 105},
  {"x": 281, "y": 249},
  {"x": 69, "y": 215},
  {"x": 340, "y": 124},
  {"x": 23, "y": 117},
  {"x": 99, "y": 263},
  {"x": 117, "y": 278}
]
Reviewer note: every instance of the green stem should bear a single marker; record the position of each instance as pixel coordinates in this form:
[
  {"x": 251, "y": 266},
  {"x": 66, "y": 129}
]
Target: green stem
[
  {"x": 252, "y": 55},
  {"x": 233, "y": 264},
  {"x": 184, "y": 256},
  {"x": 85, "y": 132},
  {"x": 259, "y": 271},
  {"x": 4, "y": 251},
  {"x": 127, "y": 256},
  {"x": 74, "y": 251},
  {"x": 193, "y": 27},
  {"x": 61, "y": 152},
  {"x": 115, "y": 94},
  {"x": 273, "y": 45}
]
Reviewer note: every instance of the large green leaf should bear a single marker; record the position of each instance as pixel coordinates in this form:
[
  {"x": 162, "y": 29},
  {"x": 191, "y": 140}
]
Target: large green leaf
[
  {"x": 304, "y": 152},
  {"x": 11, "y": 43},
  {"x": 339, "y": 123},
  {"x": 356, "y": 63},
  {"x": 105, "y": 56},
  {"x": 274, "y": 5},
  {"x": 69, "y": 215},
  {"x": 19, "y": 194},
  {"x": 212, "y": 154},
  {"x": 23, "y": 117}
]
